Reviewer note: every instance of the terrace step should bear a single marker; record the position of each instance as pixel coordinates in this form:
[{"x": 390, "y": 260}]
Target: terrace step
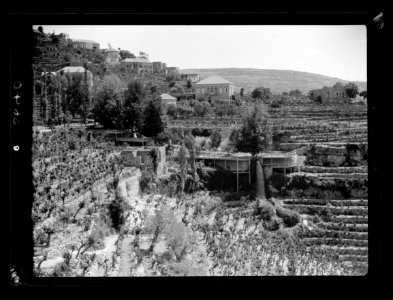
[
  {"x": 334, "y": 241},
  {"x": 349, "y": 257},
  {"x": 350, "y": 219},
  {"x": 331, "y": 175},
  {"x": 336, "y": 210},
  {"x": 345, "y": 250},
  {"x": 346, "y": 203},
  {"x": 337, "y": 170}
]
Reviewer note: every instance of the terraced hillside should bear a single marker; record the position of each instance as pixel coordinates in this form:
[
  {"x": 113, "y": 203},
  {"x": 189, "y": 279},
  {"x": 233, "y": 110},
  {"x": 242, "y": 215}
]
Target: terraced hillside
[{"x": 277, "y": 80}]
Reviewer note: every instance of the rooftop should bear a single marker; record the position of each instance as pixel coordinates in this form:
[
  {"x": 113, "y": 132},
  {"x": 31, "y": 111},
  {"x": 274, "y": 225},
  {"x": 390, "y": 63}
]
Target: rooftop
[
  {"x": 111, "y": 50},
  {"x": 78, "y": 69},
  {"x": 214, "y": 80},
  {"x": 167, "y": 97},
  {"x": 137, "y": 60},
  {"x": 86, "y": 41}
]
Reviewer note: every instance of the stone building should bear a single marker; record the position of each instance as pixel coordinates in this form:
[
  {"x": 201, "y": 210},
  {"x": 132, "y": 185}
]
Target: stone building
[
  {"x": 173, "y": 72},
  {"x": 159, "y": 67},
  {"x": 86, "y": 44},
  {"x": 330, "y": 95},
  {"x": 193, "y": 77},
  {"x": 146, "y": 158},
  {"x": 137, "y": 65},
  {"x": 214, "y": 89},
  {"x": 167, "y": 100},
  {"x": 112, "y": 56}
]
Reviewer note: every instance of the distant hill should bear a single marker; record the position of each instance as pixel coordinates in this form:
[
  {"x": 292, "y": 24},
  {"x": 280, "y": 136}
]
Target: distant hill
[{"x": 277, "y": 80}]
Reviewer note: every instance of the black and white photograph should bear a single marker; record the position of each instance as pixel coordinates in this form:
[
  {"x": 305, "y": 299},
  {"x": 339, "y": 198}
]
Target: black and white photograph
[{"x": 199, "y": 150}]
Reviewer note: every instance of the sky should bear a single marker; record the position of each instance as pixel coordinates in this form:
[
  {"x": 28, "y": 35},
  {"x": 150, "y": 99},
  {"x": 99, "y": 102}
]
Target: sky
[{"x": 337, "y": 51}]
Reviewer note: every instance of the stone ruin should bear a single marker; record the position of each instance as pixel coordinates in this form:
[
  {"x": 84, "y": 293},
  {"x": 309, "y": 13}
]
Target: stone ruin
[{"x": 143, "y": 158}]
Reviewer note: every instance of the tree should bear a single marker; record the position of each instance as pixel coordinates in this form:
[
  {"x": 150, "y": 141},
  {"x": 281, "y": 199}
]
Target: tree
[
  {"x": 75, "y": 88},
  {"x": 133, "y": 110},
  {"x": 231, "y": 110},
  {"x": 363, "y": 94},
  {"x": 179, "y": 238},
  {"x": 255, "y": 133},
  {"x": 153, "y": 89},
  {"x": 172, "y": 110},
  {"x": 219, "y": 110},
  {"x": 241, "y": 92},
  {"x": 185, "y": 110},
  {"x": 182, "y": 159},
  {"x": 261, "y": 93},
  {"x": 156, "y": 224},
  {"x": 143, "y": 54},
  {"x": 295, "y": 93},
  {"x": 126, "y": 54},
  {"x": 216, "y": 138},
  {"x": 200, "y": 110},
  {"x": 189, "y": 84},
  {"x": 189, "y": 142},
  {"x": 40, "y": 29},
  {"x": 117, "y": 211},
  {"x": 153, "y": 124},
  {"x": 338, "y": 85},
  {"x": 108, "y": 102},
  {"x": 351, "y": 90}
]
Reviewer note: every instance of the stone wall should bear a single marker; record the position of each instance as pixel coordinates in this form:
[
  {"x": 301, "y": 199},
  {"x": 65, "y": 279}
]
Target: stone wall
[
  {"x": 349, "y": 155},
  {"x": 143, "y": 159}
]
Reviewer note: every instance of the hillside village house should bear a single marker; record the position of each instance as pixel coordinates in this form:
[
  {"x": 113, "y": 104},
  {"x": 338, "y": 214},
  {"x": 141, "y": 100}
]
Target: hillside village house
[
  {"x": 137, "y": 65},
  {"x": 193, "y": 77},
  {"x": 214, "y": 89},
  {"x": 330, "y": 95},
  {"x": 159, "y": 67},
  {"x": 112, "y": 56},
  {"x": 167, "y": 100},
  {"x": 173, "y": 71},
  {"x": 86, "y": 44}
]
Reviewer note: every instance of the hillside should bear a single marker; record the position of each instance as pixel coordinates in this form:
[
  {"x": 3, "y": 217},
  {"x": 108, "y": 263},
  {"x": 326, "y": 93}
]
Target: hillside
[{"x": 277, "y": 80}]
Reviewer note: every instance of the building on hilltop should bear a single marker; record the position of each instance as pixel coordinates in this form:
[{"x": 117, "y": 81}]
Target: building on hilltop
[
  {"x": 159, "y": 67},
  {"x": 193, "y": 77},
  {"x": 86, "y": 44},
  {"x": 112, "y": 56},
  {"x": 167, "y": 100},
  {"x": 137, "y": 65},
  {"x": 214, "y": 89},
  {"x": 330, "y": 95}
]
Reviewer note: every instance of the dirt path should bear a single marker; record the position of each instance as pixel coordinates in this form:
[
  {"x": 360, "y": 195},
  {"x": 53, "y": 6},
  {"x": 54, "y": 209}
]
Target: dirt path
[{"x": 126, "y": 257}]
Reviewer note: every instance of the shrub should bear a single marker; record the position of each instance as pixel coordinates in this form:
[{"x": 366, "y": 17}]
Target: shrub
[
  {"x": 266, "y": 210},
  {"x": 290, "y": 218},
  {"x": 272, "y": 224},
  {"x": 278, "y": 180},
  {"x": 216, "y": 139},
  {"x": 116, "y": 213},
  {"x": 146, "y": 181},
  {"x": 201, "y": 132}
]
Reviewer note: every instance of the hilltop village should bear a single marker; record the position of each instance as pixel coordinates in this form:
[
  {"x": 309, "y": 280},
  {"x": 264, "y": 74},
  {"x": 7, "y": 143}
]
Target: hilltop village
[{"x": 142, "y": 170}]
